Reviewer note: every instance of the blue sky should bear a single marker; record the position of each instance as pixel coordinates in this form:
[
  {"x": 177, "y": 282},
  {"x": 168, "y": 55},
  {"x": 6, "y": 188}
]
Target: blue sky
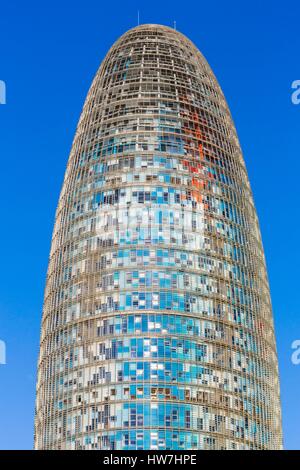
[{"x": 49, "y": 54}]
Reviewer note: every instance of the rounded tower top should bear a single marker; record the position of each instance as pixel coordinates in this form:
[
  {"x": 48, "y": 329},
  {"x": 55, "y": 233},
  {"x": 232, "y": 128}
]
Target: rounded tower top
[{"x": 155, "y": 32}]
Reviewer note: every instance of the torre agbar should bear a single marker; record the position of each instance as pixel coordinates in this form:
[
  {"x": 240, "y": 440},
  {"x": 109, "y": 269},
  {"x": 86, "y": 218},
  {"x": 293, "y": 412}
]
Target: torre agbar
[{"x": 157, "y": 328}]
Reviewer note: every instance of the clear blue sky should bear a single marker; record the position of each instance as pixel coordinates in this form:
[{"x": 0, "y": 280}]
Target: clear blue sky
[{"x": 49, "y": 54}]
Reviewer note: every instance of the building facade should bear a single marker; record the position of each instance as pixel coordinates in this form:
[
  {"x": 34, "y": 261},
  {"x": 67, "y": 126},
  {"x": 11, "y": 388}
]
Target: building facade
[{"x": 157, "y": 329}]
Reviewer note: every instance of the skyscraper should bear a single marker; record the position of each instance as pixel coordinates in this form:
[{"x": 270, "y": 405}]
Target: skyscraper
[{"x": 157, "y": 329}]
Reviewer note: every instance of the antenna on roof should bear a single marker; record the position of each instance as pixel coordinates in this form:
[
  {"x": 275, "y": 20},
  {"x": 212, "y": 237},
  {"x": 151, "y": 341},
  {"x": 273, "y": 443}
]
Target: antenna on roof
[
  {"x": 175, "y": 25},
  {"x": 138, "y": 17}
]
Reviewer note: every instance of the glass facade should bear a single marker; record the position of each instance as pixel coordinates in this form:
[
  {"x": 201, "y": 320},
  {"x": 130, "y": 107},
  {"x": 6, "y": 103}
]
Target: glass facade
[{"x": 157, "y": 329}]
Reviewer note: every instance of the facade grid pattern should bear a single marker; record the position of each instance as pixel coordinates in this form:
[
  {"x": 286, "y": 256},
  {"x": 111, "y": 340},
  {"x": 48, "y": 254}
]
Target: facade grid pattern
[{"x": 157, "y": 329}]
